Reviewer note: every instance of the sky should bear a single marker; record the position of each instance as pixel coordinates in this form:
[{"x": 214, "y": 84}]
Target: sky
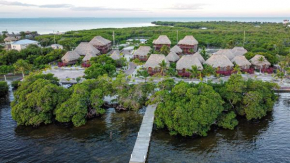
[{"x": 143, "y": 8}]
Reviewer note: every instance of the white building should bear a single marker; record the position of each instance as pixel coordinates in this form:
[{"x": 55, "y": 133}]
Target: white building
[{"x": 22, "y": 44}]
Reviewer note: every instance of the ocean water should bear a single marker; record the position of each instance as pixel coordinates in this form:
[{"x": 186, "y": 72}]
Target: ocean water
[{"x": 50, "y": 25}]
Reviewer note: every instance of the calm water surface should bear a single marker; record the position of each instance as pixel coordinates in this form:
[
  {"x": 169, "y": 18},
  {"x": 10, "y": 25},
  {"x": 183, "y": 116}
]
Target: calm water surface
[{"x": 266, "y": 141}]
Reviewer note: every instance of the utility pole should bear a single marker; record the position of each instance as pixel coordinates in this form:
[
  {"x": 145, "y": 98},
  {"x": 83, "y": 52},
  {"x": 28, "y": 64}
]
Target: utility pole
[
  {"x": 113, "y": 38},
  {"x": 177, "y": 36},
  {"x": 244, "y": 38}
]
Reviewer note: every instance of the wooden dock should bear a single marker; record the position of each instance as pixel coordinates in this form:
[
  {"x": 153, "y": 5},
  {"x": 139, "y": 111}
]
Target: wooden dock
[{"x": 140, "y": 150}]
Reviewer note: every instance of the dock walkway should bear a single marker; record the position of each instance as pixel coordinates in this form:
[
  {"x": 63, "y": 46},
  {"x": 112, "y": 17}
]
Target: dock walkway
[{"x": 140, "y": 150}]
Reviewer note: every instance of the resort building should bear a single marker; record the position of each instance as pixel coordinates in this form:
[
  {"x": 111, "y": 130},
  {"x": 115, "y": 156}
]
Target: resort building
[
  {"x": 222, "y": 63},
  {"x": 188, "y": 44},
  {"x": 88, "y": 57},
  {"x": 10, "y": 39},
  {"x": 227, "y": 52},
  {"x": 85, "y": 48},
  {"x": 243, "y": 63},
  {"x": 102, "y": 44},
  {"x": 22, "y": 44},
  {"x": 172, "y": 57},
  {"x": 71, "y": 57},
  {"x": 260, "y": 62},
  {"x": 142, "y": 53},
  {"x": 186, "y": 62},
  {"x": 116, "y": 55},
  {"x": 237, "y": 51},
  {"x": 153, "y": 63},
  {"x": 162, "y": 40},
  {"x": 199, "y": 56},
  {"x": 56, "y": 46},
  {"x": 176, "y": 49}
]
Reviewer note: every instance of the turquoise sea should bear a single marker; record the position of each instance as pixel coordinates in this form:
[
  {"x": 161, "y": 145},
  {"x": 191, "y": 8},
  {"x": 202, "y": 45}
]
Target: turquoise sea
[{"x": 50, "y": 25}]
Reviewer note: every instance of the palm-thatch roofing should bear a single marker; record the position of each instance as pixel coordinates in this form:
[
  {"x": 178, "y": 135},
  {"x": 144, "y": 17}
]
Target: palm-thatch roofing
[
  {"x": 70, "y": 56},
  {"x": 226, "y": 52},
  {"x": 241, "y": 61},
  {"x": 176, "y": 49},
  {"x": 89, "y": 56},
  {"x": 172, "y": 57},
  {"x": 85, "y": 48},
  {"x": 162, "y": 39},
  {"x": 142, "y": 51},
  {"x": 99, "y": 41},
  {"x": 188, "y": 40},
  {"x": 187, "y": 61},
  {"x": 257, "y": 61},
  {"x": 221, "y": 61},
  {"x": 116, "y": 55},
  {"x": 237, "y": 51},
  {"x": 199, "y": 56},
  {"x": 9, "y": 39},
  {"x": 154, "y": 60}
]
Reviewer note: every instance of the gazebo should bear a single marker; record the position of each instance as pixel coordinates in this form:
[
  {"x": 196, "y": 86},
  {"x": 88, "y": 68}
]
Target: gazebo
[
  {"x": 172, "y": 57},
  {"x": 71, "y": 57},
  {"x": 222, "y": 63},
  {"x": 260, "y": 63},
  {"x": 153, "y": 63},
  {"x": 186, "y": 62}
]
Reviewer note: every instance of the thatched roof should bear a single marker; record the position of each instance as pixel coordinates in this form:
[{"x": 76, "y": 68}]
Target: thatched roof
[
  {"x": 142, "y": 51},
  {"x": 162, "y": 39},
  {"x": 70, "y": 56},
  {"x": 154, "y": 60},
  {"x": 199, "y": 56},
  {"x": 9, "y": 39},
  {"x": 241, "y": 61},
  {"x": 99, "y": 41},
  {"x": 176, "y": 49},
  {"x": 116, "y": 55},
  {"x": 85, "y": 48},
  {"x": 172, "y": 57},
  {"x": 256, "y": 61},
  {"x": 237, "y": 51},
  {"x": 219, "y": 61},
  {"x": 226, "y": 52},
  {"x": 188, "y": 40},
  {"x": 89, "y": 56},
  {"x": 187, "y": 61}
]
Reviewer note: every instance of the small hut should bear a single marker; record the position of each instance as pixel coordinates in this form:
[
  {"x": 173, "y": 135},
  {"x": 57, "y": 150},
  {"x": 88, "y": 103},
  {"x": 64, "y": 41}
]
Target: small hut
[
  {"x": 116, "y": 55},
  {"x": 172, "y": 57},
  {"x": 10, "y": 39},
  {"x": 260, "y": 62},
  {"x": 102, "y": 44},
  {"x": 222, "y": 63},
  {"x": 88, "y": 57},
  {"x": 186, "y": 62},
  {"x": 239, "y": 51},
  {"x": 227, "y": 52},
  {"x": 161, "y": 41},
  {"x": 242, "y": 62},
  {"x": 199, "y": 56},
  {"x": 176, "y": 49},
  {"x": 71, "y": 57},
  {"x": 85, "y": 48},
  {"x": 152, "y": 64},
  {"x": 188, "y": 44},
  {"x": 142, "y": 53}
]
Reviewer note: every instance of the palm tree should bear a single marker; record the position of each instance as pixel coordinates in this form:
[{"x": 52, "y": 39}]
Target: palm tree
[
  {"x": 164, "y": 50},
  {"x": 237, "y": 69},
  {"x": 144, "y": 74},
  {"x": 193, "y": 72},
  {"x": 163, "y": 67},
  {"x": 261, "y": 59},
  {"x": 22, "y": 66}
]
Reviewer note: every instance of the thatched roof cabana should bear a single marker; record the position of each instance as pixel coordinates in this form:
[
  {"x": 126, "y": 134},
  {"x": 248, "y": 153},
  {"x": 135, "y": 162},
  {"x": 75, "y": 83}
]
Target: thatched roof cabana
[
  {"x": 142, "y": 51},
  {"x": 239, "y": 51},
  {"x": 162, "y": 39},
  {"x": 10, "y": 39},
  {"x": 154, "y": 60},
  {"x": 172, "y": 57},
  {"x": 187, "y": 61},
  {"x": 241, "y": 61},
  {"x": 259, "y": 60},
  {"x": 199, "y": 56},
  {"x": 219, "y": 61},
  {"x": 227, "y": 52},
  {"x": 99, "y": 41},
  {"x": 188, "y": 40},
  {"x": 176, "y": 49},
  {"x": 70, "y": 56},
  {"x": 85, "y": 48},
  {"x": 89, "y": 56},
  {"x": 116, "y": 55}
]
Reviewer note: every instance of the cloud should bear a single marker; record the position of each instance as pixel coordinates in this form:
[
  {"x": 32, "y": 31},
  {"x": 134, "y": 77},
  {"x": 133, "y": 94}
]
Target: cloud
[
  {"x": 56, "y": 6},
  {"x": 103, "y": 9},
  {"x": 15, "y": 3},
  {"x": 187, "y": 6}
]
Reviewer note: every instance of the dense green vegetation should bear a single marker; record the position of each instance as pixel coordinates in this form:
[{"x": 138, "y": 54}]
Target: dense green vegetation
[
  {"x": 189, "y": 109},
  {"x": 3, "y": 89}
]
